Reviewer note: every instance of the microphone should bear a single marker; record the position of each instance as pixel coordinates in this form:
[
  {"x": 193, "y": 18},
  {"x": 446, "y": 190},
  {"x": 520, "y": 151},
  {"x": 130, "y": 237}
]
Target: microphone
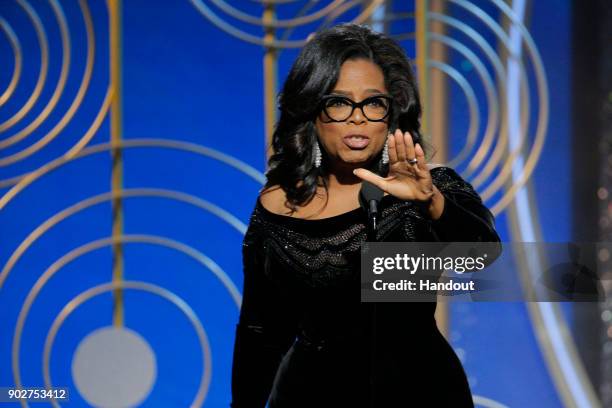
[{"x": 369, "y": 198}]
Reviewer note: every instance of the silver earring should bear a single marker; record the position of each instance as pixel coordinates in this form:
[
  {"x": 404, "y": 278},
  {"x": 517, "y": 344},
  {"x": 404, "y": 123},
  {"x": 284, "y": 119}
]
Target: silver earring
[
  {"x": 385, "y": 153},
  {"x": 317, "y": 152}
]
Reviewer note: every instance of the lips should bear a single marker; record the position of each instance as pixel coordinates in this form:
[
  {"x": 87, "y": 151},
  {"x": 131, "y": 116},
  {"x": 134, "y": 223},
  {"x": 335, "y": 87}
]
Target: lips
[{"x": 356, "y": 141}]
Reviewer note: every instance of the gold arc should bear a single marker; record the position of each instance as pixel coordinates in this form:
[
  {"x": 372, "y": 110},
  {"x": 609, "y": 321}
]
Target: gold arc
[
  {"x": 17, "y": 67},
  {"x": 64, "y": 214},
  {"x": 501, "y": 141},
  {"x": 501, "y": 150},
  {"x": 291, "y": 23},
  {"x": 341, "y": 9},
  {"x": 81, "y": 298},
  {"x": 530, "y": 163},
  {"x": 438, "y": 97},
  {"x": 365, "y": 14},
  {"x": 274, "y": 23},
  {"x": 68, "y": 115},
  {"x": 479, "y": 157},
  {"x": 367, "y": 11},
  {"x": 128, "y": 143},
  {"x": 439, "y": 134},
  {"x": 540, "y": 133},
  {"x": 505, "y": 173},
  {"x": 529, "y": 166},
  {"x": 487, "y": 142},
  {"x": 85, "y": 139},
  {"x": 75, "y": 302},
  {"x": 97, "y": 122},
  {"x": 59, "y": 87},
  {"x": 66, "y": 259},
  {"x": 492, "y": 99},
  {"x": 44, "y": 69}
]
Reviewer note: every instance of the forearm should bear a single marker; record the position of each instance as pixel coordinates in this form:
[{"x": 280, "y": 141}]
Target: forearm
[
  {"x": 436, "y": 204},
  {"x": 459, "y": 217}
]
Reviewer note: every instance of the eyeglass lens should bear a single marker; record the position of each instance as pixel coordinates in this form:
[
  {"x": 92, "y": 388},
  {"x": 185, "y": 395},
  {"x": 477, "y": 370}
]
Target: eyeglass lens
[{"x": 340, "y": 109}]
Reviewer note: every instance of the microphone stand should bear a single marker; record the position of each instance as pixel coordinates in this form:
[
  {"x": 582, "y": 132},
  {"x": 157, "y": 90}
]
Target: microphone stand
[
  {"x": 372, "y": 220},
  {"x": 370, "y": 197},
  {"x": 372, "y": 224}
]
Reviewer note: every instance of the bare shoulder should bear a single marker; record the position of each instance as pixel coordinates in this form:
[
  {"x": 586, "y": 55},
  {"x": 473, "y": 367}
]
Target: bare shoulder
[{"x": 273, "y": 199}]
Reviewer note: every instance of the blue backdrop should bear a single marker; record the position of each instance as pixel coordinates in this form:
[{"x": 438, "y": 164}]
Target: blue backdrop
[{"x": 185, "y": 80}]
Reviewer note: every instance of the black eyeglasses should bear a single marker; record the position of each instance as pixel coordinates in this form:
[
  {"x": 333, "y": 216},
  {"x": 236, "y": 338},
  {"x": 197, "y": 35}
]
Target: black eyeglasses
[{"x": 339, "y": 108}]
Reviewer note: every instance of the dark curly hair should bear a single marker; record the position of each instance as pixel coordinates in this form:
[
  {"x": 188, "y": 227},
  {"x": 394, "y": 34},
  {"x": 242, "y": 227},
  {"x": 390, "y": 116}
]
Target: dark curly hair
[{"x": 314, "y": 74}]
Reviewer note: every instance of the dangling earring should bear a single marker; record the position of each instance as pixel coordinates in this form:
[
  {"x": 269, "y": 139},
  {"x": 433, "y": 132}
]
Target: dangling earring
[
  {"x": 317, "y": 154},
  {"x": 385, "y": 153}
]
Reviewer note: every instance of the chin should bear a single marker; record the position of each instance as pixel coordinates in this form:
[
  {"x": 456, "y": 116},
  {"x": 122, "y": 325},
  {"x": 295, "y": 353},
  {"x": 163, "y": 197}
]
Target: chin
[{"x": 357, "y": 159}]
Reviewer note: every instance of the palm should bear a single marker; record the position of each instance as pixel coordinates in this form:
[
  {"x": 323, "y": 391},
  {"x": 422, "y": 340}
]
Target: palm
[{"x": 405, "y": 181}]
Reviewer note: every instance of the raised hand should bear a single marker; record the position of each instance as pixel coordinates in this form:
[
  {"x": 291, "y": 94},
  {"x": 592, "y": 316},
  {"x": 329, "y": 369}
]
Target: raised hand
[{"x": 409, "y": 177}]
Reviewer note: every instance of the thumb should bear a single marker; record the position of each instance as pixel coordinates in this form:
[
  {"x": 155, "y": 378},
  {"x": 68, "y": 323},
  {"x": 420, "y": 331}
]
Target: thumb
[{"x": 373, "y": 178}]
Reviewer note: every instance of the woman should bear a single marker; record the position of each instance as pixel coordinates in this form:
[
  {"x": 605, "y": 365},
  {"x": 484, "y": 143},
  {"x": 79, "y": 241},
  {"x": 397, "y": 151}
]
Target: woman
[{"x": 349, "y": 112}]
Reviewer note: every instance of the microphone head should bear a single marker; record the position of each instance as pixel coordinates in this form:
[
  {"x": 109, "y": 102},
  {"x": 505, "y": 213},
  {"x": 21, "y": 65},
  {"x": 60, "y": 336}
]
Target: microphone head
[{"x": 368, "y": 193}]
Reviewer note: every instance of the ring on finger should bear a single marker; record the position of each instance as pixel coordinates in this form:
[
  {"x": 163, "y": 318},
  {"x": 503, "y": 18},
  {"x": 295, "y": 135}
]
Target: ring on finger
[{"x": 412, "y": 161}]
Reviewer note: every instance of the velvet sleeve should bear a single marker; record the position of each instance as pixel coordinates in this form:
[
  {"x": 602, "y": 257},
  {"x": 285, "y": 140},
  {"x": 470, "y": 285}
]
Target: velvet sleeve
[
  {"x": 265, "y": 330},
  {"x": 464, "y": 218}
]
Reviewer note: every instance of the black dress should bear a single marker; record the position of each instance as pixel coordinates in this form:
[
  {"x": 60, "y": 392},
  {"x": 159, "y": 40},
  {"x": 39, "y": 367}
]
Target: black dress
[{"x": 304, "y": 338}]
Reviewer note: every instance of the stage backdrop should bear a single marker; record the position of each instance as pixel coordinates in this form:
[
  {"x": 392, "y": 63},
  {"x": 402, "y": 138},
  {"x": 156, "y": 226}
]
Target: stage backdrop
[{"x": 132, "y": 149}]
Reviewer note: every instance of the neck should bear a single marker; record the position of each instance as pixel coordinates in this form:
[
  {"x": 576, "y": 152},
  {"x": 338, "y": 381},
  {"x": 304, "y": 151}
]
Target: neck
[{"x": 341, "y": 176}]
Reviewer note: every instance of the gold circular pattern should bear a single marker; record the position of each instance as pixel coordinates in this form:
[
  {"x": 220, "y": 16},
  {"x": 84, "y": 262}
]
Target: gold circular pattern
[{"x": 45, "y": 113}]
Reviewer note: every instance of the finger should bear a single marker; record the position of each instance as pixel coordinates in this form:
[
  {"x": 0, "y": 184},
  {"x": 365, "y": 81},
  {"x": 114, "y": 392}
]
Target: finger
[
  {"x": 371, "y": 177},
  {"x": 420, "y": 155},
  {"x": 400, "y": 146},
  {"x": 392, "y": 149},
  {"x": 409, "y": 146}
]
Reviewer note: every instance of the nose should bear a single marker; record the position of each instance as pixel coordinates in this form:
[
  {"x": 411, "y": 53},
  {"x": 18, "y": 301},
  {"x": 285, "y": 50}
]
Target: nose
[{"x": 357, "y": 116}]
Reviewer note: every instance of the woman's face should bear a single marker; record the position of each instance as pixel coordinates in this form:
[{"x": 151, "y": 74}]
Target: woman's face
[{"x": 358, "y": 80}]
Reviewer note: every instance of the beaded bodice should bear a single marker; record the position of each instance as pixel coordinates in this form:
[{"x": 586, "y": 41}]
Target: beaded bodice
[
  {"x": 319, "y": 254},
  {"x": 323, "y": 251}
]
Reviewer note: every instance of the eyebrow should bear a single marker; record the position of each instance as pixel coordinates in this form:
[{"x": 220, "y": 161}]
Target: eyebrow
[{"x": 350, "y": 93}]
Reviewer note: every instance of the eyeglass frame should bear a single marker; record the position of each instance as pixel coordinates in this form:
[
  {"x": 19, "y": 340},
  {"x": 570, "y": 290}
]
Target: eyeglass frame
[{"x": 356, "y": 105}]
